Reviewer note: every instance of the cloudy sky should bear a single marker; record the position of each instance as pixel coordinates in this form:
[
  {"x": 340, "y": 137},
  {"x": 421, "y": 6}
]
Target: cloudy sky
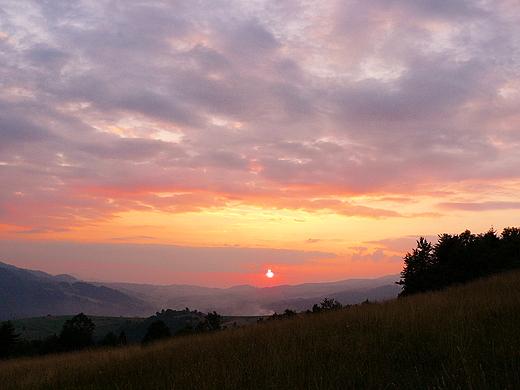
[{"x": 203, "y": 142}]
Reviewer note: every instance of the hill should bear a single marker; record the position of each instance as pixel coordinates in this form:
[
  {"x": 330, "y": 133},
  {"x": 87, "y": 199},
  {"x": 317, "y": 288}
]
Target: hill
[
  {"x": 26, "y": 293},
  {"x": 464, "y": 337},
  {"x": 253, "y": 301}
]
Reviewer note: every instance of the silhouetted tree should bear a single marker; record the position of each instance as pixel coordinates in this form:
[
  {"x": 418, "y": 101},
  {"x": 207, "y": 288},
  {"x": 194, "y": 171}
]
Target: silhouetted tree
[
  {"x": 186, "y": 330},
  {"x": 8, "y": 339},
  {"x": 24, "y": 347},
  {"x": 510, "y": 248},
  {"x": 50, "y": 344},
  {"x": 418, "y": 265},
  {"x": 211, "y": 322},
  {"x": 122, "y": 340},
  {"x": 110, "y": 340},
  {"x": 459, "y": 258},
  {"x": 286, "y": 314},
  {"x": 327, "y": 304},
  {"x": 156, "y": 330},
  {"x": 77, "y": 333}
]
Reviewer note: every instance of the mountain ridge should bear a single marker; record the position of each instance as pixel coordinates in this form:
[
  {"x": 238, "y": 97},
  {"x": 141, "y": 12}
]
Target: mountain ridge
[
  {"x": 26, "y": 293},
  {"x": 250, "y": 300}
]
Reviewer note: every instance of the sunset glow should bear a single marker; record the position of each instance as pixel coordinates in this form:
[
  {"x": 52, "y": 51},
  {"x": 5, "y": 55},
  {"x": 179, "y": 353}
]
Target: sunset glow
[{"x": 203, "y": 142}]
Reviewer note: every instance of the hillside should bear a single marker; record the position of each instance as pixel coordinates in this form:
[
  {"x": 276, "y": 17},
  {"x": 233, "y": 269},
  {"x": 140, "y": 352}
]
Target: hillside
[
  {"x": 26, "y": 293},
  {"x": 464, "y": 337},
  {"x": 253, "y": 301}
]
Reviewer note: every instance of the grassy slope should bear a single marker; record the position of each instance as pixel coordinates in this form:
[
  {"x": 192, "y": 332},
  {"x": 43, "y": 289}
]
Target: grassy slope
[{"x": 466, "y": 337}]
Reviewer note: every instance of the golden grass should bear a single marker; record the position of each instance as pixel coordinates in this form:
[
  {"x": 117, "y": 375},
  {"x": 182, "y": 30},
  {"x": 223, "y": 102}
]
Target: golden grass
[{"x": 466, "y": 337}]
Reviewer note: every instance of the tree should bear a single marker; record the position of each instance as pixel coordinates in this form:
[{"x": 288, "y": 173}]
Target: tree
[
  {"x": 156, "y": 330},
  {"x": 330, "y": 304},
  {"x": 212, "y": 322},
  {"x": 459, "y": 258},
  {"x": 510, "y": 248},
  {"x": 186, "y": 330},
  {"x": 122, "y": 340},
  {"x": 418, "y": 265},
  {"x": 110, "y": 340},
  {"x": 77, "y": 333},
  {"x": 8, "y": 339}
]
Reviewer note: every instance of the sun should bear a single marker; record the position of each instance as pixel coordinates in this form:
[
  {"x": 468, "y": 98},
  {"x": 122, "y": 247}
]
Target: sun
[{"x": 269, "y": 273}]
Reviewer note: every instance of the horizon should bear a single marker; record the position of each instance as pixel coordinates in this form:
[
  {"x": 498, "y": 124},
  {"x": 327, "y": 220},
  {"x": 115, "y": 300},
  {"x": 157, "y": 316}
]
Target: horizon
[
  {"x": 81, "y": 278},
  {"x": 209, "y": 142}
]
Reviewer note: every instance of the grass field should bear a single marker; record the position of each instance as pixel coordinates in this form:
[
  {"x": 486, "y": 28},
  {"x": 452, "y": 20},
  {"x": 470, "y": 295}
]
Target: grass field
[
  {"x": 465, "y": 337},
  {"x": 38, "y": 328}
]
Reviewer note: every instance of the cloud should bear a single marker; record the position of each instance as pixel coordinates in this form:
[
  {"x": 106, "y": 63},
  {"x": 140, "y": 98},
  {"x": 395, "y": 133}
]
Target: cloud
[
  {"x": 329, "y": 107},
  {"x": 170, "y": 258},
  {"x": 480, "y": 206},
  {"x": 41, "y": 230}
]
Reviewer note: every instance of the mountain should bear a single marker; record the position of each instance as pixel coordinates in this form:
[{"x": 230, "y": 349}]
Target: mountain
[
  {"x": 247, "y": 300},
  {"x": 27, "y": 293}
]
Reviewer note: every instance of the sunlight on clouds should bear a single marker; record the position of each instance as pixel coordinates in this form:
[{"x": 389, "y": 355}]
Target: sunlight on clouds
[
  {"x": 135, "y": 128},
  {"x": 380, "y": 69},
  {"x": 511, "y": 90},
  {"x": 229, "y": 124},
  {"x": 16, "y": 94}
]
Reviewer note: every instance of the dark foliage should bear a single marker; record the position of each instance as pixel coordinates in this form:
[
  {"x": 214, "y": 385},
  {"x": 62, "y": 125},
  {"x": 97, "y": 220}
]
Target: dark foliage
[
  {"x": 157, "y": 330},
  {"x": 187, "y": 330},
  {"x": 122, "y": 340},
  {"x": 459, "y": 258},
  {"x": 110, "y": 340},
  {"x": 8, "y": 339},
  {"x": 174, "y": 319},
  {"x": 77, "y": 333},
  {"x": 326, "y": 304},
  {"x": 211, "y": 322}
]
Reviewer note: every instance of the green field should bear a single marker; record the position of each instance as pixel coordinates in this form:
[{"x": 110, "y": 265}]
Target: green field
[
  {"x": 465, "y": 337},
  {"x": 40, "y": 327}
]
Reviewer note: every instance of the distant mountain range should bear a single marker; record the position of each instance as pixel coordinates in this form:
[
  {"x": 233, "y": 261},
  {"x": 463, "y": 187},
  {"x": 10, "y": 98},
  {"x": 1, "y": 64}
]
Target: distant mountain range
[
  {"x": 27, "y": 293},
  {"x": 248, "y": 300}
]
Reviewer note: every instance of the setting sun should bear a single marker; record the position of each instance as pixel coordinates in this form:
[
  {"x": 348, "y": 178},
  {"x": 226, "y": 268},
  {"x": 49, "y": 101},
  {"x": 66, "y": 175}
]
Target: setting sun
[{"x": 269, "y": 273}]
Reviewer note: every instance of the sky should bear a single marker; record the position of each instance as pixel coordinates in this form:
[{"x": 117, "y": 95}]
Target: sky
[{"x": 205, "y": 142}]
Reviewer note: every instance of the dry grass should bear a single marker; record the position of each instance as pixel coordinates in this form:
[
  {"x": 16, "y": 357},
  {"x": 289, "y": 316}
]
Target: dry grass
[{"x": 466, "y": 337}]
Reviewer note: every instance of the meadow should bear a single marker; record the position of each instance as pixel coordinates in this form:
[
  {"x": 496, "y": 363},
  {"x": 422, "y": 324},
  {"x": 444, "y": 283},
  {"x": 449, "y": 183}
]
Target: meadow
[
  {"x": 464, "y": 337},
  {"x": 37, "y": 328}
]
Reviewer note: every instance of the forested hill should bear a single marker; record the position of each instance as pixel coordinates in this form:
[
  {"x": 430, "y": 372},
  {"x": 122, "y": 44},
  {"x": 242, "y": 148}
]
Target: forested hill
[{"x": 459, "y": 258}]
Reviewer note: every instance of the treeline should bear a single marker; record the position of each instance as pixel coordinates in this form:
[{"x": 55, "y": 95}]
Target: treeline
[
  {"x": 459, "y": 258},
  {"x": 325, "y": 305},
  {"x": 77, "y": 333}
]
